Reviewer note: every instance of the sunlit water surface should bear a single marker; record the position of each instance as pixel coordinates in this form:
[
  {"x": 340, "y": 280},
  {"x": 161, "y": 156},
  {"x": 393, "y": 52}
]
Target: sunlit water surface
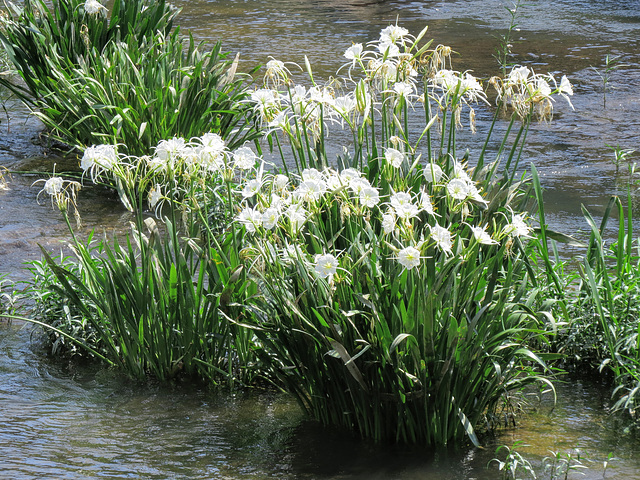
[{"x": 59, "y": 422}]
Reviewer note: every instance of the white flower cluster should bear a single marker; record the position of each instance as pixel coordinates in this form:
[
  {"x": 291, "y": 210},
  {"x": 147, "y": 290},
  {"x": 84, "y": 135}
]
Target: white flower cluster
[
  {"x": 530, "y": 93},
  {"x": 462, "y": 85},
  {"x": 94, "y": 7},
  {"x": 99, "y": 159},
  {"x": 280, "y": 205},
  {"x": 166, "y": 173},
  {"x": 388, "y": 67},
  {"x": 204, "y": 155},
  {"x": 302, "y": 107},
  {"x": 276, "y": 197}
]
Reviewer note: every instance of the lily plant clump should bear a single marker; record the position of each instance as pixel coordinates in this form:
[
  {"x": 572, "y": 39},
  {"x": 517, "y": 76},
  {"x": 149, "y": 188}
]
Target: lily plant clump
[
  {"x": 397, "y": 286},
  {"x": 167, "y": 300},
  {"x": 120, "y": 76},
  {"x": 391, "y": 291}
]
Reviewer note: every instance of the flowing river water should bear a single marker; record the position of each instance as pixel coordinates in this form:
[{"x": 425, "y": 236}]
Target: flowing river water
[{"x": 64, "y": 422}]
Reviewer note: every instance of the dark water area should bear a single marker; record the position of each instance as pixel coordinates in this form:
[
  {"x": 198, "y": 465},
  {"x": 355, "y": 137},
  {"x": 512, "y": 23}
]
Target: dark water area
[{"x": 64, "y": 421}]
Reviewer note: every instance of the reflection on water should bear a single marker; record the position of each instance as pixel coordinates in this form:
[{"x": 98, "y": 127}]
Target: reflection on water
[{"x": 60, "y": 423}]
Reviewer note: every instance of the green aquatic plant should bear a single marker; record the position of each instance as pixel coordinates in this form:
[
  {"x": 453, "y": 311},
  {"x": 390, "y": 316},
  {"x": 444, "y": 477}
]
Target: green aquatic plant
[
  {"x": 161, "y": 302},
  {"x": 67, "y": 329},
  {"x": 620, "y": 155},
  {"x": 601, "y": 307},
  {"x": 560, "y": 465},
  {"x": 611, "y": 285},
  {"x": 557, "y": 466},
  {"x": 514, "y": 463},
  {"x": 611, "y": 64},
  {"x": 9, "y": 297},
  {"x": 504, "y": 51},
  {"x": 121, "y": 79},
  {"x": 396, "y": 289},
  {"x": 160, "y": 307},
  {"x": 394, "y": 294},
  {"x": 40, "y": 37}
]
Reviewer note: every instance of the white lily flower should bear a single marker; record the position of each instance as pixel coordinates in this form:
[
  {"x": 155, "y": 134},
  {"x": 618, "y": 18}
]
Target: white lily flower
[
  {"x": 270, "y": 218},
  {"x": 518, "y": 227},
  {"x": 369, "y": 197},
  {"x": 407, "y": 211},
  {"x": 251, "y": 188},
  {"x": 244, "y": 158},
  {"x": 481, "y": 236},
  {"x": 442, "y": 237},
  {"x": 425, "y": 203},
  {"x": 518, "y": 74},
  {"x": 98, "y": 159},
  {"x": 93, "y": 7},
  {"x": 432, "y": 173},
  {"x": 404, "y": 89},
  {"x": 359, "y": 184},
  {"x": 400, "y": 199},
  {"x": 326, "y": 265},
  {"x": 388, "y": 223},
  {"x": 344, "y": 105},
  {"x": 354, "y": 52},
  {"x": 155, "y": 195},
  {"x": 393, "y": 34},
  {"x": 349, "y": 174},
  {"x": 458, "y": 189},
  {"x": 297, "y": 215},
  {"x": 280, "y": 182},
  {"x": 53, "y": 185},
  {"x": 409, "y": 257},
  {"x": 394, "y": 157},
  {"x": 389, "y": 50},
  {"x": 312, "y": 174},
  {"x": 251, "y": 218},
  {"x": 310, "y": 190}
]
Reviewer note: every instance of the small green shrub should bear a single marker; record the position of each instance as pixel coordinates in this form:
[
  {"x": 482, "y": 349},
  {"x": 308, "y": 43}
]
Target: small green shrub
[
  {"x": 38, "y": 33},
  {"x": 158, "y": 305},
  {"x": 514, "y": 463},
  {"x": 70, "y": 329},
  {"x": 9, "y": 298},
  {"x": 604, "y": 310}
]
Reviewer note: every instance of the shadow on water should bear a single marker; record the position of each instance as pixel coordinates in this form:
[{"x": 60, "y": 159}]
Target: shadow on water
[{"x": 59, "y": 422}]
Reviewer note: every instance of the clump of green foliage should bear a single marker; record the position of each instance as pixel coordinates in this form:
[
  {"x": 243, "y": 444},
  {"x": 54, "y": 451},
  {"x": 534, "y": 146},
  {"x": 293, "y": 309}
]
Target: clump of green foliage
[
  {"x": 8, "y": 298},
  {"x": 162, "y": 302},
  {"x": 603, "y": 310},
  {"x": 557, "y": 466},
  {"x": 393, "y": 294},
  {"x": 120, "y": 77}
]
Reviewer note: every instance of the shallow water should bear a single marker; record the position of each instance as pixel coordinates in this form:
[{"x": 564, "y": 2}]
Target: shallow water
[
  {"x": 59, "y": 422},
  {"x": 69, "y": 422}
]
